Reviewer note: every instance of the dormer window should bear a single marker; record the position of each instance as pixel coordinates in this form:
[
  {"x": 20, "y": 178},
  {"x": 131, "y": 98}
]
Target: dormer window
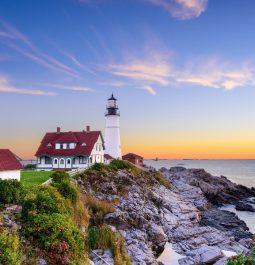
[
  {"x": 67, "y": 146},
  {"x": 61, "y": 146},
  {"x": 49, "y": 145},
  {"x": 83, "y": 144}
]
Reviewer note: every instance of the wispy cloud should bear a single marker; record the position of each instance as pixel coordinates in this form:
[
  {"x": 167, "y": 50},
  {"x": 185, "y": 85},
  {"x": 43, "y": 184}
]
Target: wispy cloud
[
  {"x": 143, "y": 71},
  {"x": 182, "y": 9},
  {"x": 76, "y": 62},
  {"x": 6, "y": 87},
  {"x": 208, "y": 72},
  {"x": 150, "y": 90},
  {"x": 19, "y": 42},
  {"x": 217, "y": 74},
  {"x": 72, "y": 88}
]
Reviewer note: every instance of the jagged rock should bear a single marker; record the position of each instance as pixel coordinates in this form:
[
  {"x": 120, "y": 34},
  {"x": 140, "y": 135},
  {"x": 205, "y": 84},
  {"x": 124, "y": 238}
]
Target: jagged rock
[
  {"x": 42, "y": 261},
  {"x": 102, "y": 257},
  {"x": 148, "y": 214},
  {"x": 226, "y": 221},
  {"x": 242, "y": 206}
]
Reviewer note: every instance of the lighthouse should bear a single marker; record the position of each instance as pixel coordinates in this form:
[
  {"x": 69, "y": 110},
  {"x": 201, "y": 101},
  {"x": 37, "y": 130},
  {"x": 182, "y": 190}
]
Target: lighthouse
[{"x": 112, "y": 129}]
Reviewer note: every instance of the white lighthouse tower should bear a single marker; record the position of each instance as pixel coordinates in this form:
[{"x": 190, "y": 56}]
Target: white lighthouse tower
[{"x": 112, "y": 129}]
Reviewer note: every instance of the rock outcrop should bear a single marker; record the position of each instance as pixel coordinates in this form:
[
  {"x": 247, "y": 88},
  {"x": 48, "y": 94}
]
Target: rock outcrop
[{"x": 149, "y": 214}]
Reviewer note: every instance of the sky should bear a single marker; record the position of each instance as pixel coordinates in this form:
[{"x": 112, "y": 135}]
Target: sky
[{"x": 182, "y": 70}]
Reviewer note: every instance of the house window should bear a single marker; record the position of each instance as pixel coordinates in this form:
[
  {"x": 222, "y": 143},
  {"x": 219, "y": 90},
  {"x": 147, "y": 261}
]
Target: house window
[
  {"x": 61, "y": 146},
  {"x": 82, "y": 160},
  {"x": 62, "y": 161},
  {"x": 55, "y": 161},
  {"x": 68, "y": 161},
  {"x": 47, "y": 160},
  {"x": 67, "y": 146}
]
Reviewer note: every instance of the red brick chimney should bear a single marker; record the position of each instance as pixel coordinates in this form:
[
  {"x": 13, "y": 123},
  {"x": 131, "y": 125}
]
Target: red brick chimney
[
  {"x": 87, "y": 128},
  {"x": 58, "y": 129}
]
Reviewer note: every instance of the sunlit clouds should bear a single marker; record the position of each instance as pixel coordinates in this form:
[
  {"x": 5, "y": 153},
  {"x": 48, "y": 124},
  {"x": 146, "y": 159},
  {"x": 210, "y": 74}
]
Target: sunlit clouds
[
  {"x": 72, "y": 88},
  {"x": 209, "y": 72},
  {"x": 217, "y": 74},
  {"x": 157, "y": 73},
  {"x": 182, "y": 9},
  {"x": 6, "y": 87}
]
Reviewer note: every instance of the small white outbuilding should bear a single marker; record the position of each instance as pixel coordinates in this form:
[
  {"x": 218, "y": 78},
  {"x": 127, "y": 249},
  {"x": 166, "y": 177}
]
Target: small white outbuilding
[{"x": 9, "y": 165}]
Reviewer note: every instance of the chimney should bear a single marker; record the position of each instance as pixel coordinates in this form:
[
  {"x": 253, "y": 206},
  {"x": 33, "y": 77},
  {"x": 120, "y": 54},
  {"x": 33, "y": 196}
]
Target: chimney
[
  {"x": 58, "y": 129},
  {"x": 87, "y": 128}
]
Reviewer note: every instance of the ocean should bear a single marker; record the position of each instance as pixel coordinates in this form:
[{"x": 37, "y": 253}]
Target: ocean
[{"x": 238, "y": 171}]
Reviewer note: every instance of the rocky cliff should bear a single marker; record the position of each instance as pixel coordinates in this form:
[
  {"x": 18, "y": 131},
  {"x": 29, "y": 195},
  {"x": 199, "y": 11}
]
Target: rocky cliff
[{"x": 179, "y": 206}]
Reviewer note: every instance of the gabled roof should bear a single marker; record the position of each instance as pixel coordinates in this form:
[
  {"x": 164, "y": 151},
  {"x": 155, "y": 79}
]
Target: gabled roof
[
  {"x": 8, "y": 161},
  {"x": 132, "y": 155},
  {"x": 87, "y": 137},
  {"x": 67, "y": 137}
]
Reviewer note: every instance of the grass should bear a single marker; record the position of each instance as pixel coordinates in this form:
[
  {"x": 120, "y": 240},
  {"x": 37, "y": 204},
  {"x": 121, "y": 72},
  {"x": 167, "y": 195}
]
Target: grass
[{"x": 32, "y": 178}]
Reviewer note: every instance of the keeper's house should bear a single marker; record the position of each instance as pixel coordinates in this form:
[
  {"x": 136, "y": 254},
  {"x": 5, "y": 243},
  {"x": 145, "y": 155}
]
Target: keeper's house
[
  {"x": 70, "y": 150},
  {"x": 9, "y": 165}
]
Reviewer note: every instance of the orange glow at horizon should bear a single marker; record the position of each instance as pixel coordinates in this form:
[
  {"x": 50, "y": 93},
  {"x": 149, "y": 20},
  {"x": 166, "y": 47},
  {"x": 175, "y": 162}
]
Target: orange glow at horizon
[{"x": 171, "y": 149}]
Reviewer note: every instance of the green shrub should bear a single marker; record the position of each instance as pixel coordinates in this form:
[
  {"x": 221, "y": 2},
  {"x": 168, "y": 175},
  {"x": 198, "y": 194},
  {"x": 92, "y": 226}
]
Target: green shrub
[
  {"x": 59, "y": 176},
  {"x": 157, "y": 175},
  {"x": 11, "y": 191},
  {"x": 10, "y": 253},
  {"x": 240, "y": 260},
  {"x": 104, "y": 238},
  {"x": 44, "y": 199},
  {"x": 58, "y": 236},
  {"x": 122, "y": 164},
  {"x": 67, "y": 190}
]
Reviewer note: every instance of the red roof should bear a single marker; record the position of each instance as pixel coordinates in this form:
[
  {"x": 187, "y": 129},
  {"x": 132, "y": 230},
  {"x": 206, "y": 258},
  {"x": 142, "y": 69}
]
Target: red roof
[
  {"x": 8, "y": 161},
  {"x": 131, "y": 155},
  {"x": 84, "y": 140},
  {"x": 108, "y": 157}
]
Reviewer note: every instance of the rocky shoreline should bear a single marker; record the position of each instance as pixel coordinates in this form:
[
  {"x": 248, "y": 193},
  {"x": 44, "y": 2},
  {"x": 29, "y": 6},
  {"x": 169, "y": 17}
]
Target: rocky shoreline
[{"x": 149, "y": 214}]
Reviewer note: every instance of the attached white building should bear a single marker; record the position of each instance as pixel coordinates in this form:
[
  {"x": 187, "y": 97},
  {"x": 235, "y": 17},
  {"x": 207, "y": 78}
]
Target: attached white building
[
  {"x": 70, "y": 150},
  {"x": 9, "y": 165}
]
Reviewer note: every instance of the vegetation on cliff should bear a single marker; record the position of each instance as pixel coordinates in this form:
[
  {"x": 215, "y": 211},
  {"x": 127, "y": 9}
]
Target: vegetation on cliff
[{"x": 58, "y": 223}]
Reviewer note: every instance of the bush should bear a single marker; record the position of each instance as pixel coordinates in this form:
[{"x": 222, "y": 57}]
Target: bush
[
  {"x": 59, "y": 176},
  {"x": 44, "y": 199},
  {"x": 30, "y": 167},
  {"x": 98, "y": 209},
  {"x": 240, "y": 260},
  {"x": 11, "y": 191},
  {"x": 58, "y": 236},
  {"x": 67, "y": 190},
  {"x": 104, "y": 238},
  {"x": 157, "y": 175},
  {"x": 10, "y": 253},
  {"x": 117, "y": 164}
]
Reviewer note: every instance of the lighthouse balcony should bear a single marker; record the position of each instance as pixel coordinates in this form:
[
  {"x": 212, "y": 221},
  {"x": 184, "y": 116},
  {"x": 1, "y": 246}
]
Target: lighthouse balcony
[{"x": 112, "y": 111}]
